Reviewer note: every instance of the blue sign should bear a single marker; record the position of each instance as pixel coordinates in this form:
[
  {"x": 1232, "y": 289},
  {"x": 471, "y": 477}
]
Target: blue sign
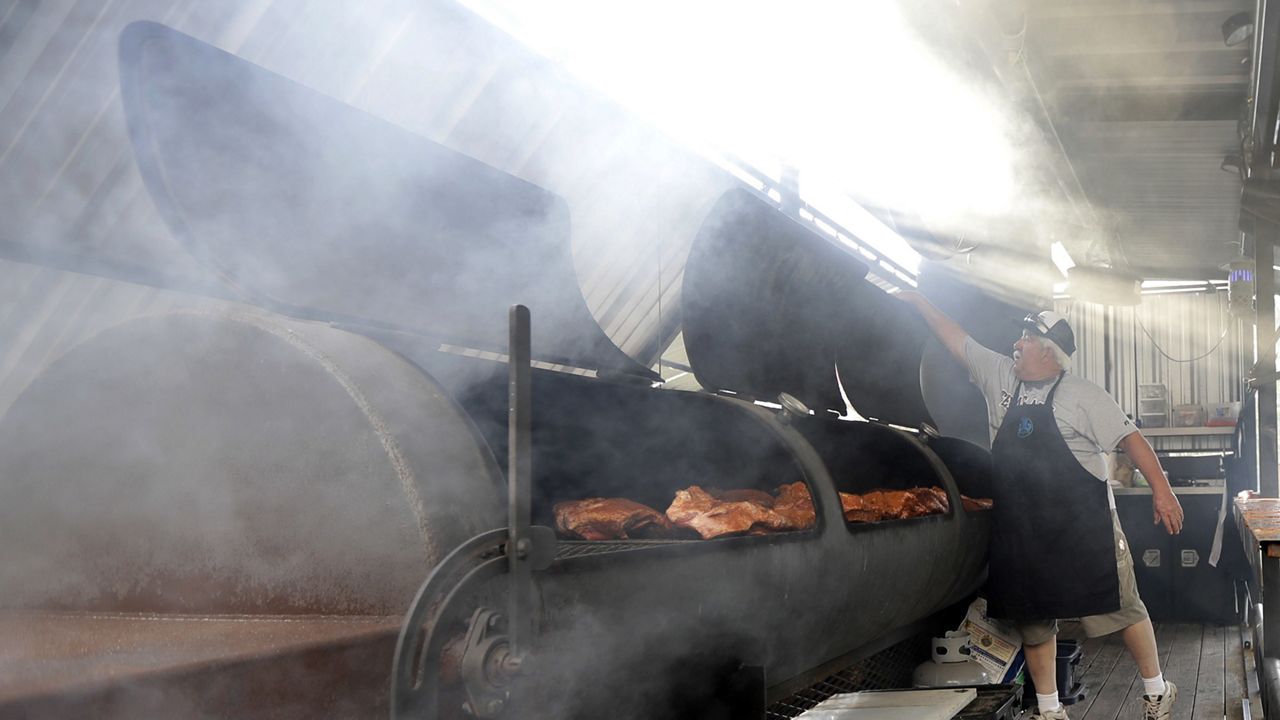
[{"x": 1025, "y": 427}]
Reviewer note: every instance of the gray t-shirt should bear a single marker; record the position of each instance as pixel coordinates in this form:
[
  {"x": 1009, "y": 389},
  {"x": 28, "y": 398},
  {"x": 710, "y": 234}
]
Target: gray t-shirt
[{"x": 1089, "y": 419}]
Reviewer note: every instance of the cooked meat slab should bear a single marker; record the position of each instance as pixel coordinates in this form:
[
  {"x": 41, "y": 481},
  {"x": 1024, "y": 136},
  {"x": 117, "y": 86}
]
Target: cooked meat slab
[
  {"x": 974, "y": 504},
  {"x": 758, "y": 497},
  {"x": 715, "y": 512},
  {"x": 741, "y": 510},
  {"x": 690, "y": 503},
  {"x": 700, "y": 511},
  {"x": 856, "y": 508},
  {"x": 893, "y": 504},
  {"x": 735, "y": 518},
  {"x": 609, "y": 519},
  {"x": 796, "y": 505}
]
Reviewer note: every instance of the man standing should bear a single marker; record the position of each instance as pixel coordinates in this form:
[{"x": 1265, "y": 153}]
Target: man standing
[{"x": 1057, "y": 550}]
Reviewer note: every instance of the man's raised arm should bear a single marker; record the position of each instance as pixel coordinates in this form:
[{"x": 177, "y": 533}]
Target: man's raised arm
[{"x": 948, "y": 332}]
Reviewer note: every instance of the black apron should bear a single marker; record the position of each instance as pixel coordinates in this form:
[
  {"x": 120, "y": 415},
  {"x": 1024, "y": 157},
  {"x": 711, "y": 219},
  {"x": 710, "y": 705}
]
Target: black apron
[{"x": 1052, "y": 542}]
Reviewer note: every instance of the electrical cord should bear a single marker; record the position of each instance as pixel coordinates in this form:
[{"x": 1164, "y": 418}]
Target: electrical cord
[{"x": 1169, "y": 357}]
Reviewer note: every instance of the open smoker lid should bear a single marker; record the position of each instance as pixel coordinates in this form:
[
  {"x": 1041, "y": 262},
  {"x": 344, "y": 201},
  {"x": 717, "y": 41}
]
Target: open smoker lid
[
  {"x": 772, "y": 307},
  {"x": 316, "y": 209}
]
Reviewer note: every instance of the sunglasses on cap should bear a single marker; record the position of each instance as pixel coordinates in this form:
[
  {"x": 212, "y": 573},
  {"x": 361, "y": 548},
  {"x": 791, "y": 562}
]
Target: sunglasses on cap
[{"x": 1033, "y": 319}]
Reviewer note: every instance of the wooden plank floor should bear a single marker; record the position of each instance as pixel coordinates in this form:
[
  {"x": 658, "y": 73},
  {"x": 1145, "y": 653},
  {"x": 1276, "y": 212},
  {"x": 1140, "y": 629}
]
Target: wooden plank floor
[{"x": 1204, "y": 660}]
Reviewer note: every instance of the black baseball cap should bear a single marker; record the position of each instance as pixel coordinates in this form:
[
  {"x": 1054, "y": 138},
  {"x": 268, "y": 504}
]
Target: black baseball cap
[{"x": 1051, "y": 325}]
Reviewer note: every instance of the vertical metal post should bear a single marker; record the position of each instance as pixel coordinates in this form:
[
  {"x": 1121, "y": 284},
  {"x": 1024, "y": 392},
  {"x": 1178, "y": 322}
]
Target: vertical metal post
[
  {"x": 1270, "y": 603},
  {"x": 1265, "y": 334},
  {"x": 1108, "y": 367},
  {"x": 519, "y": 483}
]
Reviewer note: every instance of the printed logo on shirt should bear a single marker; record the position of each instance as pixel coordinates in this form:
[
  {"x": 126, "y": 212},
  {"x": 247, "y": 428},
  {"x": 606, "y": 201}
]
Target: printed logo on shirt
[
  {"x": 1026, "y": 399},
  {"x": 1025, "y": 427},
  {"x": 1005, "y": 399}
]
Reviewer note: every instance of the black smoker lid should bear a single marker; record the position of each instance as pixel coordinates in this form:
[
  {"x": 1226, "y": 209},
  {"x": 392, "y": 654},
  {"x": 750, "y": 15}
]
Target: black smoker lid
[
  {"x": 771, "y": 307},
  {"x": 317, "y": 209}
]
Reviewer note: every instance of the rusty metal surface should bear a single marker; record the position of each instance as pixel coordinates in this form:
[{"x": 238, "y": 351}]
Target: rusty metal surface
[
  {"x": 1261, "y": 517},
  {"x": 308, "y": 471},
  {"x": 45, "y": 655}
]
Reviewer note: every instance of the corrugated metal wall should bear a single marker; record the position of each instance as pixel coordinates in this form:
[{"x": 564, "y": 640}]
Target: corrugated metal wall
[{"x": 1186, "y": 341}]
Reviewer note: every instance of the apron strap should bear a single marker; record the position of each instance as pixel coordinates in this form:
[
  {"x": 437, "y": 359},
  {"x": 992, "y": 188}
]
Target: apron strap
[{"x": 1048, "y": 400}]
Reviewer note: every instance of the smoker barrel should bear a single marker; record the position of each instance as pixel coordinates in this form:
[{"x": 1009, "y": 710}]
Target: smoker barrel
[
  {"x": 219, "y": 448},
  {"x": 770, "y": 306},
  {"x": 597, "y": 438},
  {"x": 206, "y": 463},
  {"x": 614, "y": 611}
]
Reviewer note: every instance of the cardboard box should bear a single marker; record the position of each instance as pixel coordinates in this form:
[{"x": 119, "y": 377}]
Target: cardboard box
[{"x": 995, "y": 644}]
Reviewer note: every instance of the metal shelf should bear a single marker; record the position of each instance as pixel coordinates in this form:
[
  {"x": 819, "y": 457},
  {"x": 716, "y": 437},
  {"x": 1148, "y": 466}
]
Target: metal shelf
[
  {"x": 1177, "y": 490},
  {"x": 1178, "y": 431}
]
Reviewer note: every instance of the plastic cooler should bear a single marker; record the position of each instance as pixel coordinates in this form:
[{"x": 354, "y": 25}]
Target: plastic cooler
[{"x": 1070, "y": 690}]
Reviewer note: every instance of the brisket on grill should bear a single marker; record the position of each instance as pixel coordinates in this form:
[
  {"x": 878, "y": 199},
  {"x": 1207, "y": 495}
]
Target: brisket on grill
[
  {"x": 899, "y": 504},
  {"x": 698, "y": 510},
  {"x": 713, "y": 512},
  {"x": 795, "y": 504},
  {"x": 758, "y": 497},
  {"x": 609, "y": 519},
  {"x": 893, "y": 504}
]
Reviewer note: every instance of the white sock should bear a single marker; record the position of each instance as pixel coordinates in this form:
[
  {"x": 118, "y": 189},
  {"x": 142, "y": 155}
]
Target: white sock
[
  {"x": 1152, "y": 686},
  {"x": 1048, "y": 702}
]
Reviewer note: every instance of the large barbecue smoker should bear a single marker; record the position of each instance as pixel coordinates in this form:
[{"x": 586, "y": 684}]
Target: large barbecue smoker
[{"x": 385, "y": 437}]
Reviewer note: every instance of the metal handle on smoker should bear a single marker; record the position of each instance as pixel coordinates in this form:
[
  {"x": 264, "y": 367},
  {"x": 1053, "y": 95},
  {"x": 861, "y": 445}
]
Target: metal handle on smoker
[
  {"x": 495, "y": 646},
  {"x": 519, "y": 484}
]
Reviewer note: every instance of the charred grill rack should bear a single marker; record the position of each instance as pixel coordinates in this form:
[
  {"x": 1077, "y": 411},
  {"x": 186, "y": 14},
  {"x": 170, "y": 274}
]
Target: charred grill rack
[
  {"x": 232, "y": 154},
  {"x": 579, "y": 548}
]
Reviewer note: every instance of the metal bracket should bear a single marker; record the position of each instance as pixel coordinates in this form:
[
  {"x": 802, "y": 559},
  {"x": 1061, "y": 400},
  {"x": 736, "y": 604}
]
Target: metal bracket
[
  {"x": 1256, "y": 378},
  {"x": 414, "y": 683},
  {"x": 488, "y": 666},
  {"x": 421, "y": 644},
  {"x": 495, "y": 646}
]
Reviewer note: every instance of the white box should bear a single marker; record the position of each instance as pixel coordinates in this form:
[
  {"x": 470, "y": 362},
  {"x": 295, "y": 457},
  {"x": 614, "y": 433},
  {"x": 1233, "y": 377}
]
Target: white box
[{"x": 995, "y": 644}]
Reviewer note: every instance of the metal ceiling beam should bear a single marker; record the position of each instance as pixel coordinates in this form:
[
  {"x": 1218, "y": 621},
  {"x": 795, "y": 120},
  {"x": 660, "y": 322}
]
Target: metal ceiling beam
[
  {"x": 1172, "y": 83},
  {"x": 1208, "y": 47},
  {"x": 1155, "y": 104},
  {"x": 1154, "y": 68},
  {"x": 1122, "y": 9}
]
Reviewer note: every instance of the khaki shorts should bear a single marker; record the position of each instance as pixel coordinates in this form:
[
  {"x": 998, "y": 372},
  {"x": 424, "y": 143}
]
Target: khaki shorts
[{"x": 1035, "y": 632}]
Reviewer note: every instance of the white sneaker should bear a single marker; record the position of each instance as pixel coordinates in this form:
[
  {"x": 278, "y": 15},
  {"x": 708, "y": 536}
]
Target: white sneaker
[
  {"x": 1158, "y": 707},
  {"x": 1059, "y": 714}
]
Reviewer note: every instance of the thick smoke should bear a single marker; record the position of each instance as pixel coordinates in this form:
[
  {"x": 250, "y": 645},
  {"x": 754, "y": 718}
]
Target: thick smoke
[
  {"x": 179, "y": 443},
  {"x": 193, "y": 463}
]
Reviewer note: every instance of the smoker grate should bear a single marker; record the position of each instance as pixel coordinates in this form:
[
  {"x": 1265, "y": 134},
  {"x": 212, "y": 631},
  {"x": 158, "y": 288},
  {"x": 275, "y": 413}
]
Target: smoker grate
[
  {"x": 887, "y": 669},
  {"x": 580, "y": 548}
]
